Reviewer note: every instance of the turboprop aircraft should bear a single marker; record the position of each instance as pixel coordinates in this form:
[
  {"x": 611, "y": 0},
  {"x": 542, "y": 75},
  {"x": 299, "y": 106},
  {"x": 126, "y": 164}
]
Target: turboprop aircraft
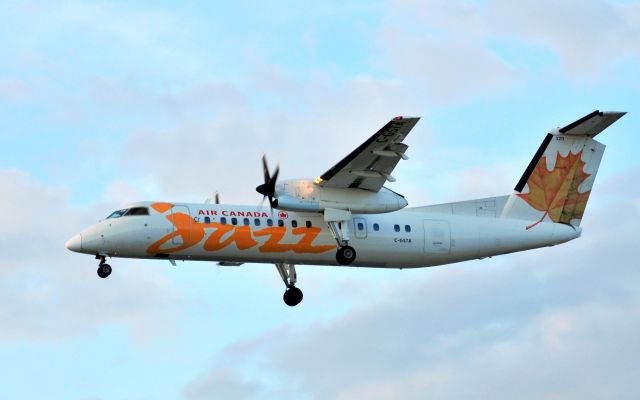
[{"x": 347, "y": 217}]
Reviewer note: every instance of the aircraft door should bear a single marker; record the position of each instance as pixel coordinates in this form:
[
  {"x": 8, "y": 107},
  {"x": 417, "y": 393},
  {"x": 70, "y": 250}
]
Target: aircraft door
[
  {"x": 437, "y": 236},
  {"x": 181, "y": 225},
  {"x": 360, "y": 228}
]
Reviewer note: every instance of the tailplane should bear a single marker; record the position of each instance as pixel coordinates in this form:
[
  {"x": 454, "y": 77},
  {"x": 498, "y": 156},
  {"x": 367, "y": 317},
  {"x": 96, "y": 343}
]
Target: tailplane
[{"x": 556, "y": 185}]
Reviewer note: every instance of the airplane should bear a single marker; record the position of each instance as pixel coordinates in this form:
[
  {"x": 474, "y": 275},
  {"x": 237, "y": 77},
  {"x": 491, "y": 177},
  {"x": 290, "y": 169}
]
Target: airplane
[{"x": 347, "y": 217}]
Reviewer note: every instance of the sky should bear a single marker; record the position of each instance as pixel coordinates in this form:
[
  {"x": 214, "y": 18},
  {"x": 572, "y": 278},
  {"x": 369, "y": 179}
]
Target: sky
[{"x": 106, "y": 103}]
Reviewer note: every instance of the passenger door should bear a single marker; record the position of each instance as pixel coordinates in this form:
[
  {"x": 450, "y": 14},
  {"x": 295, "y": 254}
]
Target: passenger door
[{"x": 360, "y": 228}]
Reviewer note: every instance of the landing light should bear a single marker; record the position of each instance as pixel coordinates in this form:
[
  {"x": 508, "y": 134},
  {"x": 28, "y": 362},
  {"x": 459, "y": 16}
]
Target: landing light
[{"x": 318, "y": 180}]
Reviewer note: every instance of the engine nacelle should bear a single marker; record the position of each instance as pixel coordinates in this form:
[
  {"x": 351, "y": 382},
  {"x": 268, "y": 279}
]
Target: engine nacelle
[{"x": 306, "y": 195}]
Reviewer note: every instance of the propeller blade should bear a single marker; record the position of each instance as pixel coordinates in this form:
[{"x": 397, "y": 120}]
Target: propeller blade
[
  {"x": 274, "y": 178},
  {"x": 265, "y": 169},
  {"x": 217, "y": 198}
]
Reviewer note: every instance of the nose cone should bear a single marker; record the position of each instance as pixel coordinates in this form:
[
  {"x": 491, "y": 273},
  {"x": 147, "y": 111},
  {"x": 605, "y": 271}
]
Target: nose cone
[{"x": 75, "y": 243}]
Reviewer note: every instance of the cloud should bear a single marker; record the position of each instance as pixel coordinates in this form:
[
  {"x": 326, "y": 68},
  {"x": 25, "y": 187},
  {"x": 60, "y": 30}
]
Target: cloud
[
  {"x": 549, "y": 323},
  {"x": 196, "y": 157},
  {"x": 588, "y": 36},
  {"x": 48, "y": 293},
  {"x": 455, "y": 50}
]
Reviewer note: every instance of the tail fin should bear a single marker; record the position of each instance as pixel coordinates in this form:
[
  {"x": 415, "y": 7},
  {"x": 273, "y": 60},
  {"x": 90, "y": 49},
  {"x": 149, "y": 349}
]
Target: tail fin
[{"x": 557, "y": 183}]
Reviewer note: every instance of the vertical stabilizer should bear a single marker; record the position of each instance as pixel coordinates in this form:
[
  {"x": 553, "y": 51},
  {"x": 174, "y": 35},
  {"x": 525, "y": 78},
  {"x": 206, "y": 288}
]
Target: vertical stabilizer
[{"x": 556, "y": 185}]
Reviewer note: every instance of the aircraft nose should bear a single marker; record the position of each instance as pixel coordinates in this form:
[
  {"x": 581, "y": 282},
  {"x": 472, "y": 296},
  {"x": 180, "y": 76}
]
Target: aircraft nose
[{"x": 75, "y": 243}]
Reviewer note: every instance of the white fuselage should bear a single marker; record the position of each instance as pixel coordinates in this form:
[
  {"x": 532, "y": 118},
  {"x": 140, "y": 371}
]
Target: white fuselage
[{"x": 413, "y": 237}]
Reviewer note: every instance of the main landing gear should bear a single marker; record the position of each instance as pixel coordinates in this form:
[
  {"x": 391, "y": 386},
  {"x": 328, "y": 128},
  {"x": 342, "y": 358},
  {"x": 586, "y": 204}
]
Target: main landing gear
[
  {"x": 292, "y": 296},
  {"x": 338, "y": 222},
  {"x": 104, "y": 269}
]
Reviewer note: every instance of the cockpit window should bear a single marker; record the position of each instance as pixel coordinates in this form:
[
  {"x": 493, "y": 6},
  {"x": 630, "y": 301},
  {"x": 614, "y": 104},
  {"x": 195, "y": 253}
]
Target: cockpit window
[
  {"x": 129, "y": 211},
  {"x": 117, "y": 214},
  {"x": 137, "y": 211}
]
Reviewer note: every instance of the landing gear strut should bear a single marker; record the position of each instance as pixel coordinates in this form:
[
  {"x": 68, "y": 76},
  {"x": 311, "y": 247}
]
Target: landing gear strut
[
  {"x": 292, "y": 296},
  {"x": 338, "y": 222},
  {"x": 104, "y": 269}
]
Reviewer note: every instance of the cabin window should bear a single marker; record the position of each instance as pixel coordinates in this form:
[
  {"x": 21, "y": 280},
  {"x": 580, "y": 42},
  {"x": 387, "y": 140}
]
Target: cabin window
[
  {"x": 376, "y": 227},
  {"x": 234, "y": 221},
  {"x": 117, "y": 214},
  {"x": 207, "y": 220},
  {"x": 294, "y": 223},
  {"x": 308, "y": 224},
  {"x": 137, "y": 211},
  {"x": 280, "y": 222},
  {"x": 407, "y": 228},
  {"x": 360, "y": 226},
  {"x": 245, "y": 221},
  {"x": 256, "y": 222},
  {"x": 396, "y": 228},
  {"x": 223, "y": 220},
  {"x": 269, "y": 222}
]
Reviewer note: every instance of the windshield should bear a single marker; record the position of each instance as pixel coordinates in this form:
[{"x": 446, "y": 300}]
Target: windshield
[
  {"x": 137, "y": 211},
  {"x": 117, "y": 214},
  {"x": 129, "y": 211}
]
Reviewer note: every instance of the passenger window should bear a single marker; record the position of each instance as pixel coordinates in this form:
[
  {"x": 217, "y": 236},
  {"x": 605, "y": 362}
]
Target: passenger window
[
  {"x": 256, "y": 222},
  {"x": 207, "y": 220},
  {"x": 294, "y": 223},
  {"x": 269, "y": 222},
  {"x": 280, "y": 222},
  {"x": 407, "y": 228},
  {"x": 360, "y": 226},
  {"x": 396, "y": 228},
  {"x": 246, "y": 221},
  {"x": 234, "y": 221},
  {"x": 223, "y": 220},
  {"x": 376, "y": 227},
  {"x": 308, "y": 224}
]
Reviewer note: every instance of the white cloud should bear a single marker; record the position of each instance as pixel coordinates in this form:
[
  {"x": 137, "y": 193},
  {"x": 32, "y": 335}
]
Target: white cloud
[
  {"x": 550, "y": 323},
  {"x": 449, "y": 47},
  {"x": 196, "y": 158},
  {"x": 48, "y": 293}
]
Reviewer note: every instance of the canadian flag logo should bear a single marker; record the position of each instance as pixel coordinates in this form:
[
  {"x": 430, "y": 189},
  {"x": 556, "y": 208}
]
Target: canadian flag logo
[{"x": 283, "y": 215}]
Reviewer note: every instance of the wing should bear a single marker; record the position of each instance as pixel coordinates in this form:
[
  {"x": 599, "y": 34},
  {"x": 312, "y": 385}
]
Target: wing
[{"x": 370, "y": 165}]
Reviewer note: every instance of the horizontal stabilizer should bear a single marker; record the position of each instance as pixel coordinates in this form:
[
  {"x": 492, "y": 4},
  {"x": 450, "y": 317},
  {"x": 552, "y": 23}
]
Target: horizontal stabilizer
[{"x": 592, "y": 124}]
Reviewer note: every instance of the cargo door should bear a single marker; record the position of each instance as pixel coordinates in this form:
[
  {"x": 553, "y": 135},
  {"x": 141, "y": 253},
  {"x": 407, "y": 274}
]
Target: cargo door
[{"x": 437, "y": 236}]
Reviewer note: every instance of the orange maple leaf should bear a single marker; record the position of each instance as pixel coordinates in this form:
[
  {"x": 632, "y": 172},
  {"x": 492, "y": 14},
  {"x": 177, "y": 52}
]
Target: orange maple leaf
[{"x": 555, "y": 192}]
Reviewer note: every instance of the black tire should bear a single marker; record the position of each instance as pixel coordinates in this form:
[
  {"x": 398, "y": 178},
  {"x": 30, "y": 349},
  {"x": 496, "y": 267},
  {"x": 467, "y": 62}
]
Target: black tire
[
  {"x": 104, "y": 270},
  {"x": 292, "y": 297},
  {"x": 345, "y": 255}
]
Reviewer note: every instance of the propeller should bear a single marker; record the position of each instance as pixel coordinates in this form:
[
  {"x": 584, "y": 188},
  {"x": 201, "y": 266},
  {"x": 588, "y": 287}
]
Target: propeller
[
  {"x": 268, "y": 188},
  {"x": 217, "y": 198}
]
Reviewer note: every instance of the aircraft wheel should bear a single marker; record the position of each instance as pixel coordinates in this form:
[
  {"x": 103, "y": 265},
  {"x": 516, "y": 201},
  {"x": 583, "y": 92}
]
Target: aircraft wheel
[
  {"x": 104, "y": 270},
  {"x": 345, "y": 255},
  {"x": 292, "y": 297}
]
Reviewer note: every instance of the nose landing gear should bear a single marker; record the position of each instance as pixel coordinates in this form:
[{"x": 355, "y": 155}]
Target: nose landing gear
[{"x": 104, "y": 269}]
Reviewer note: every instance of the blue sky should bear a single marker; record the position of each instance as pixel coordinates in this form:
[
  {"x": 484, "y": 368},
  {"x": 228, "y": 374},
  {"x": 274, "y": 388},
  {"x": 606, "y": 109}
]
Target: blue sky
[{"x": 104, "y": 103}]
